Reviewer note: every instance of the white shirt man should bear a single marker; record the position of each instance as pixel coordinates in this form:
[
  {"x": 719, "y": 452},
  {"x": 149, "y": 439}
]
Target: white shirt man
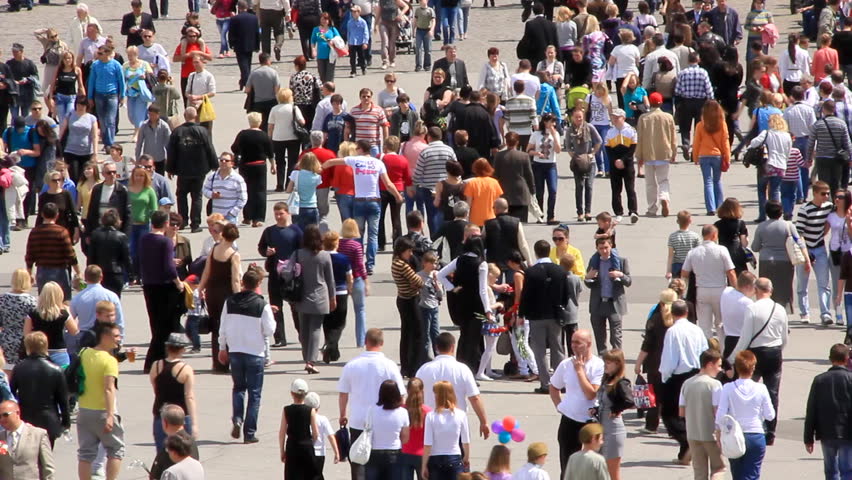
[
  {"x": 754, "y": 334},
  {"x": 733, "y": 303},
  {"x": 714, "y": 270},
  {"x": 682, "y": 348}
]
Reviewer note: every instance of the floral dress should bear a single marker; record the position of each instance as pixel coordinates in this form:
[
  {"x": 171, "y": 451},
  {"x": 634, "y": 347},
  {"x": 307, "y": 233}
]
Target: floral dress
[
  {"x": 593, "y": 44},
  {"x": 14, "y": 309}
]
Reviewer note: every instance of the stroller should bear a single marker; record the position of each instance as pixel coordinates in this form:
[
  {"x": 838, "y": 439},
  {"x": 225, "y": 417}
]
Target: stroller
[{"x": 405, "y": 39}]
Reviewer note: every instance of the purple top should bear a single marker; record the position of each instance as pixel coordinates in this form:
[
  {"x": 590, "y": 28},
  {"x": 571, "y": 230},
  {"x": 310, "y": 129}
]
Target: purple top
[
  {"x": 156, "y": 260},
  {"x": 353, "y": 250}
]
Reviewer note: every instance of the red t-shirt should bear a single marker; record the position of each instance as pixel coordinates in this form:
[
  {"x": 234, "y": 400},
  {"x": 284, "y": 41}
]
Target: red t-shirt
[
  {"x": 187, "y": 67},
  {"x": 398, "y": 171},
  {"x": 414, "y": 446},
  {"x": 323, "y": 155},
  {"x": 343, "y": 180}
]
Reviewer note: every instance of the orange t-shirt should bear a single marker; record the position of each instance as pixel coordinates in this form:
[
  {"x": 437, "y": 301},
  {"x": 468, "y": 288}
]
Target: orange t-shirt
[{"x": 481, "y": 193}]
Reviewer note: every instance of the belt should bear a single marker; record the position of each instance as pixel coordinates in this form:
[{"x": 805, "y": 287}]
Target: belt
[
  {"x": 368, "y": 199},
  {"x": 606, "y": 299}
]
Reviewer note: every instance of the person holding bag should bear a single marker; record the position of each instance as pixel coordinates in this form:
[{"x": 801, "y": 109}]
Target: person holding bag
[
  {"x": 770, "y": 241},
  {"x": 583, "y": 142},
  {"x": 321, "y": 47},
  {"x": 200, "y": 88}
]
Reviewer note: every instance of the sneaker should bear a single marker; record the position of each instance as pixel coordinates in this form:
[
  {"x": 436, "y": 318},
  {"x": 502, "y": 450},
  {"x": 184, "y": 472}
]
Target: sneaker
[
  {"x": 384, "y": 66},
  {"x": 278, "y": 53},
  {"x": 251, "y": 440},
  {"x": 827, "y": 320},
  {"x": 195, "y": 350},
  {"x": 351, "y": 74},
  {"x": 618, "y": 219},
  {"x": 542, "y": 390},
  {"x": 235, "y": 429},
  {"x": 805, "y": 319},
  {"x": 417, "y": 69},
  {"x": 393, "y": 64},
  {"x": 634, "y": 217},
  {"x": 483, "y": 378},
  {"x": 839, "y": 320}
]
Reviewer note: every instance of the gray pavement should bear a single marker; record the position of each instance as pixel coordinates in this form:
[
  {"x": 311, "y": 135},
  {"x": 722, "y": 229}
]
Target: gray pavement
[{"x": 644, "y": 243}]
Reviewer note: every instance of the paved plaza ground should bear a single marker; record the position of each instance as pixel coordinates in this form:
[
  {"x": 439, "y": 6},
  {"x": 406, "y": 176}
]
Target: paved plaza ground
[{"x": 643, "y": 243}]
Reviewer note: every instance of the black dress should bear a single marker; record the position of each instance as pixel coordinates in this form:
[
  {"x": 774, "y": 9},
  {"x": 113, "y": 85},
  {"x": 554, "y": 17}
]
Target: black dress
[
  {"x": 730, "y": 230},
  {"x": 467, "y": 306},
  {"x": 300, "y": 444}
]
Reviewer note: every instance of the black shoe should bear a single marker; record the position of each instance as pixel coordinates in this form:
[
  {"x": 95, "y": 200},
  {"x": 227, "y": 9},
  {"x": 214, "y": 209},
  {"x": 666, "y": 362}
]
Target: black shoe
[
  {"x": 542, "y": 390},
  {"x": 196, "y": 229},
  {"x": 279, "y": 189},
  {"x": 277, "y": 54},
  {"x": 251, "y": 440},
  {"x": 235, "y": 429}
]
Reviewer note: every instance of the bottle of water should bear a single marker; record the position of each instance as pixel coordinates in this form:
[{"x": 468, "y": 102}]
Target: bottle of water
[{"x": 66, "y": 435}]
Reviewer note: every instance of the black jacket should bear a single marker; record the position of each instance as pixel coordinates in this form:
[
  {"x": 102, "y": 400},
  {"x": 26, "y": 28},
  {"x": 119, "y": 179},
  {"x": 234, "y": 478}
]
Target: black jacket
[
  {"x": 10, "y": 93},
  {"x": 453, "y": 233},
  {"x": 242, "y": 33},
  {"x": 479, "y": 125},
  {"x": 39, "y": 385},
  {"x": 545, "y": 287},
  {"x": 829, "y": 409},
  {"x": 109, "y": 249},
  {"x": 501, "y": 238},
  {"x": 539, "y": 32},
  {"x": 621, "y": 394},
  {"x": 162, "y": 461},
  {"x": 128, "y": 21},
  {"x": 461, "y": 71},
  {"x": 190, "y": 152},
  {"x": 119, "y": 200}
]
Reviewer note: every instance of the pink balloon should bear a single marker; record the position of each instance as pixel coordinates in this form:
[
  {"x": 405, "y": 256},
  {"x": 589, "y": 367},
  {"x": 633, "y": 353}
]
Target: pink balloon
[{"x": 518, "y": 435}]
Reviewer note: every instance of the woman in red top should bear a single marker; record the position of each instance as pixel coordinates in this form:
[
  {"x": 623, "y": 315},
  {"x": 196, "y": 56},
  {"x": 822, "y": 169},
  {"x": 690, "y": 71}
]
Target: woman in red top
[
  {"x": 412, "y": 450},
  {"x": 825, "y": 55},
  {"x": 343, "y": 182},
  {"x": 400, "y": 175},
  {"x": 193, "y": 48}
]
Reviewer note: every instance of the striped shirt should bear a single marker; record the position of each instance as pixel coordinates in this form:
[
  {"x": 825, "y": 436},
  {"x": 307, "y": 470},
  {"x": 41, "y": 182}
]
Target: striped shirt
[
  {"x": 232, "y": 190},
  {"x": 682, "y": 241},
  {"x": 520, "y": 114},
  {"x": 408, "y": 283},
  {"x": 431, "y": 165},
  {"x": 799, "y": 118},
  {"x": 821, "y": 137},
  {"x": 369, "y": 123},
  {"x": 810, "y": 222},
  {"x": 49, "y": 246},
  {"x": 354, "y": 251},
  {"x": 795, "y": 162}
]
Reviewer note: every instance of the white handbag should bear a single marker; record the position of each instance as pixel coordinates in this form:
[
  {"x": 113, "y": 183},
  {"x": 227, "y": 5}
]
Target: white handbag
[
  {"x": 361, "y": 448},
  {"x": 535, "y": 209},
  {"x": 733, "y": 440},
  {"x": 795, "y": 251},
  {"x": 293, "y": 199}
]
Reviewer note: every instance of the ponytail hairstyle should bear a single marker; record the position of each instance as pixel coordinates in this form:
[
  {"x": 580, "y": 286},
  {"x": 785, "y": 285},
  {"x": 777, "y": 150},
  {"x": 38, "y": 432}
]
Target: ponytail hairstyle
[{"x": 792, "y": 42}]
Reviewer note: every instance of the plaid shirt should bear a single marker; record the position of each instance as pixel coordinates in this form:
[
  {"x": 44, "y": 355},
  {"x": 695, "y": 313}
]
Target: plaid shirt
[
  {"x": 799, "y": 118},
  {"x": 693, "y": 82}
]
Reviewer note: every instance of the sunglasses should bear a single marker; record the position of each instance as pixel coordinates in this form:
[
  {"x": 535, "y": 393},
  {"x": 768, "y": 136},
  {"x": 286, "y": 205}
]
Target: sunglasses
[
  {"x": 55, "y": 179},
  {"x": 110, "y": 172},
  {"x": 147, "y": 167},
  {"x": 390, "y": 81},
  {"x": 36, "y": 109},
  {"x": 558, "y": 239}
]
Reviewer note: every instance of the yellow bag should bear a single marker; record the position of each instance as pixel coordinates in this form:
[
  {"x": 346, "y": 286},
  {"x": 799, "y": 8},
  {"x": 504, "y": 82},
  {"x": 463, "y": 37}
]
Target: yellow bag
[{"x": 205, "y": 111}]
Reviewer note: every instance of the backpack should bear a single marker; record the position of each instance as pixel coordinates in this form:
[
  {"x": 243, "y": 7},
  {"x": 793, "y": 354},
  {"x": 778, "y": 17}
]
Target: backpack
[
  {"x": 75, "y": 377},
  {"x": 292, "y": 281}
]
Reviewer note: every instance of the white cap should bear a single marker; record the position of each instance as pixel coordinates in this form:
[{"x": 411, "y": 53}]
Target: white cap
[{"x": 299, "y": 386}]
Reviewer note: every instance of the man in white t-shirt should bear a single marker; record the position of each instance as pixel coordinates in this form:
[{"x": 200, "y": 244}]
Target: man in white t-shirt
[
  {"x": 532, "y": 85},
  {"x": 368, "y": 171},
  {"x": 446, "y": 368},
  {"x": 580, "y": 376},
  {"x": 359, "y": 387},
  {"x": 734, "y": 303}
]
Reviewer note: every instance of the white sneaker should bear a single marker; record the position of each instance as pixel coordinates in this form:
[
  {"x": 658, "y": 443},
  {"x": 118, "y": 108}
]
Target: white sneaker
[
  {"x": 393, "y": 64},
  {"x": 618, "y": 219},
  {"x": 805, "y": 319},
  {"x": 483, "y": 378},
  {"x": 827, "y": 320},
  {"x": 384, "y": 66},
  {"x": 840, "y": 322}
]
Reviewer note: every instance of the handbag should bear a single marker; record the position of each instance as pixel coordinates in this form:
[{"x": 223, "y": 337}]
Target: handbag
[
  {"x": 644, "y": 396},
  {"x": 535, "y": 209},
  {"x": 361, "y": 448},
  {"x": 504, "y": 344},
  {"x": 732, "y": 438},
  {"x": 581, "y": 163},
  {"x": 840, "y": 156},
  {"x": 145, "y": 92},
  {"x": 795, "y": 252},
  {"x": 756, "y": 155},
  {"x": 343, "y": 442},
  {"x": 302, "y": 134},
  {"x": 206, "y": 113},
  {"x": 293, "y": 200},
  {"x": 292, "y": 282}
]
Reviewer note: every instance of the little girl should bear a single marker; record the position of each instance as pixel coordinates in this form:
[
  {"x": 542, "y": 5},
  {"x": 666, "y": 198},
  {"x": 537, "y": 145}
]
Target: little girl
[
  {"x": 326, "y": 433},
  {"x": 491, "y": 328},
  {"x": 412, "y": 450},
  {"x": 499, "y": 464},
  {"x": 600, "y": 109},
  {"x": 194, "y": 21}
]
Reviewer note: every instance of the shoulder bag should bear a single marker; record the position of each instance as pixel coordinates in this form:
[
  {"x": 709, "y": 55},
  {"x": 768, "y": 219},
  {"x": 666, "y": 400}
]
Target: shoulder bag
[
  {"x": 359, "y": 452},
  {"x": 294, "y": 200},
  {"x": 837, "y": 255},
  {"x": 732, "y": 438},
  {"x": 756, "y": 155},
  {"x": 840, "y": 156},
  {"x": 765, "y": 324},
  {"x": 292, "y": 282},
  {"x": 302, "y": 134},
  {"x": 795, "y": 252}
]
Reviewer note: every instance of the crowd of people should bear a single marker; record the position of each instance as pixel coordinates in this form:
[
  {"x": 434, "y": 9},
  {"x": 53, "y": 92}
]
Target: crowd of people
[{"x": 614, "y": 94}]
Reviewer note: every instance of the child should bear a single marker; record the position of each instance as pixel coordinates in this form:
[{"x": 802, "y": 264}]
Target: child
[
  {"x": 104, "y": 313},
  {"x": 790, "y": 181},
  {"x": 681, "y": 241},
  {"x": 536, "y": 456},
  {"x": 431, "y": 295},
  {"x": 298, "y": 434},
  {"x": 575, "y": 286},
  {"x": 491, "y": 328},
  {"x": 192, "y": 21},
  {"x": 358, "y": 31},
  {"x": 195, "y": 316},
  {"x": 606, "y": 229},
  {"x": 166, "y": 204},
  {"x": 520, "y": 328},
  {"x": 124, "y": 165},
  {"x": 324, "y": 433},
  {"x": 588, "y": 463},
  {"x": 412, "y": 450},
  {"x": 499, "y": 465}
]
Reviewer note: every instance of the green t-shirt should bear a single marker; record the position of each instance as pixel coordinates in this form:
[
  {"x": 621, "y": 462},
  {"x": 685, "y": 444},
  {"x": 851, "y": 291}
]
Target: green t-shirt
[
  {"x": 587, "y": 465},
  {"x": 423, "y": 17},
  {"x": 142, "y": 205}
]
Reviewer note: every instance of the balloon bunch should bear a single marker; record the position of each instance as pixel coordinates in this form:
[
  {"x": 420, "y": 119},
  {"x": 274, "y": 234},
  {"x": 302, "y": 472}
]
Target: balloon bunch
[{"x": 508, "y": 429}]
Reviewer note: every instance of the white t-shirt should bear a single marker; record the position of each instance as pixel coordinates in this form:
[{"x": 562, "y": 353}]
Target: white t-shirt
[
  {"x": 532, "y": 85},
  {"x": 598, "y": 111},
  {"x": 387, "y": 425},
  {"x": 447, "y": 368},
  {"x": 574, "y": 404},
  {"x": 733, "y": 305},
  {"x": 443, "y": 429},
  {"x": 200, "y": 83},
  {"x": 545, "y": 145},
  {"x": 281, "y": 117},
  {"x": 361, "y": 378},
  {"x": 324, "y": 427},
  {"x": 626, "y": 59},
  {"x": 367, "y": 171}
]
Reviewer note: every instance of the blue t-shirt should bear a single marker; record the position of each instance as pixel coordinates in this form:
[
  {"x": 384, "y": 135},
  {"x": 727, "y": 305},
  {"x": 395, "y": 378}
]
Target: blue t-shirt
[
  {"x": 763, "y": 114},
  {"x": 306, "y": 184},
  {"x": 321, "y": 41},
  {"x": 340, "y": 266},
  {"x": 334, "y": 126},
  {"x": 637, "y": 96},
  {"x": 25, "y": 138}
]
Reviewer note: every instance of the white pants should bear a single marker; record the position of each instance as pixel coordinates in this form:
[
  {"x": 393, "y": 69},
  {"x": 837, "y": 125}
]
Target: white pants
[
  {"x": 656, "y": 185},
  {"x": 521, "y": 339},
  {"x": 14, "y": 205},
  {"x": 709, "y": 310},
  {"x": 485, "y": 361}
]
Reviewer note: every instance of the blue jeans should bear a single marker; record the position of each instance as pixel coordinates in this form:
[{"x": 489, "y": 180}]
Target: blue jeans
[
  {"x": 359, "y": 302},
  {"x": 383, "y": 464},
  {"x": 107, "y": 108},
  {"x": 436, "y": 6},
  {"x": 58, "y": 275},
  {"x": 422, "y": 48},
  {"x": 448, "y": 24},
  {"x": 676, "y": 269},
  {"x": 463, "y": 19},
  {"x": 545, "y": 173},
  {"x": 444, "y": 467},
  {"x": 64, "y": 105},
  {"x": 223, "y": 24},
  {"x": 747, "y": 467},
  {"x": 136, "y": 234},
  {"x": 345, "y": 205},
  {"x": 804, "y": 176},
  {"x": 600, "y": 158},
  {"x": 193, "y": 5},
  {"x": 837, "y": 459},
  {"x": 409, "y": 201},
  {"x": 711, "y": 170},
  {"x": 307, "y": 216},
  {"x": 192, "y": 324},
  {"x": 823, "y": 278},
  {"x": 60, "y": 358},
  {"x": 433, "y": 326},
  {"x": 368, "y": 213},
  {"x": 247, "y": 374},
  {"x": 774, "y": 184},
  {"x": 137, "y": 111},
  {"x": 160, "y": 434},
  {"x": 411, "y": 466},
  {"x": 434, "y": 216},
  {"x": 788, "y": 196}
]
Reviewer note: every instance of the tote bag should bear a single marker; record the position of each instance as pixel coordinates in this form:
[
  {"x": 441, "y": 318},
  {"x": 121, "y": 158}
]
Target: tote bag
[
  {"x": 733, "y": 440},
  {"x": 362, "y": 446},
  {"x": 205, "y": 111},
  {"x": 795, "y": 252}
]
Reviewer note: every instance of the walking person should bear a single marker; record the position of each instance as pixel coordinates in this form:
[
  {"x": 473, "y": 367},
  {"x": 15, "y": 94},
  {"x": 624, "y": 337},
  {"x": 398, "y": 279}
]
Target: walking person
[
  {"x": 651, "y": 352},
  {"x": 190, "y": 157},
  {"x": 334, "y": 323},
  {"x": 173, "y": 383},
  {"x": 828, "y": 136},
  {"x": 712, "y": 152},
  {"x": 699, "y": 398},
  {"x": 318, "y": 294},
  {"x": 285, "y": 143},
  {"x": 607, "y": 302},
  {"x": 254, "y": 147},
  {"x": 620, "y": 142},
  {"x": 615, "y": 397},
  {"x": 657, "y": 149},
  {"x": 412, "y": 344},
  {"x": 714, "y": 270},
  {"x": 390, "y": 431},
  {"x": 220, "y": 280},
  {"x": 225, "y": 189},
  {"x": 245, "y": 33},
  {"x": 446, "y": 439},
  {"x": 297, "y": 434},
  {"x": 812, "y": 225},
  {"x": 829, "y": 401},
  {"x": 545, "y": 144},
  {"x": 276, "y": 244}
]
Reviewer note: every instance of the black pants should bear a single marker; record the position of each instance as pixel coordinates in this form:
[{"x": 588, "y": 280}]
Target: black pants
[
  {"x": 523, "y": 141},
  {"x": 263, "y": 108},
  {"x": 319, "y": 466},
  {"x": 388, "y": 200},
  {"x": 568, "y": 332},
  {"x": 75, "y": 163},
  {"x": 183, "y": 82},
  {"x": 190, "y": 186},
  {"x": 652, "y": 415},
  {"x": 730, "y": 344},
  {"x": 274, "y": 286},
  {"x": 31, "y": 198},
  {"x": 155, "y": 13},
  {"x": 255, "y": 177},
  {"x": 286, "y": 158},
  {"x": 675, "y": 424},
  {"x": 623, "y": 178},
  {"x": 325, "y": 69},
  {"x": 308, "y": 112},
  {"x": 769, "y": 361},
  {"x": 830, "y": 171},
  {"x": 4, "y": 116},
  {"x": 357, "y": 51},
  {"x": 244, "y": 63},
  {"x": 271, "y": 22},
  {"x": 332, "y": 328},
  {"x": 114, "y": 282},
  {"x": 161, "y": 302},
  {"x": 359, "y": 472},
  {"x": 471, "y": 344},
  {"x": 569, "y": 440},
  {"x": 412, "y": 340},
  {"x": 521, "y": 212},
  {"x": 306, "y": 24},
  {"x": 688, "y": 112},
  {"x": 619, "y": 96}
]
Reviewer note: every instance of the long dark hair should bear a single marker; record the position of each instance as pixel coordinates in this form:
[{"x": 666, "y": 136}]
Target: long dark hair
[
  {"x": 731, "y": 61},
  {"x": 792, "y": 42},
  {"x": 312, "y": 238},
  {"x": 50, "y": 134}
]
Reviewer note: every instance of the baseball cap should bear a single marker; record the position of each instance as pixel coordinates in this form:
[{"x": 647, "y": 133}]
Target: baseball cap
[
  {"x": 166, "y": 201},
  {"x": 299, "y": 386},
  {"x": 655, "y": 98},
  {"x": 617, "y": 112}
]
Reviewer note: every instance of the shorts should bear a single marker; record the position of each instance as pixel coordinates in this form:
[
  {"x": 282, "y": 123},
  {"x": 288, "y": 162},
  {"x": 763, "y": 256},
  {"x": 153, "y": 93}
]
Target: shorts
[{"x": 90, "y": 434}]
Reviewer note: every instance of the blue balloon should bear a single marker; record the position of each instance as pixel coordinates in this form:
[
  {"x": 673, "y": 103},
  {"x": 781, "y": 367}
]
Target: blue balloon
[{"x": 505, "y": 437}]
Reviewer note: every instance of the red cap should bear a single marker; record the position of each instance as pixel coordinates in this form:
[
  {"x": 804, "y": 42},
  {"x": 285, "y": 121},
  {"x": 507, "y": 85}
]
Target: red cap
[{"x": 655, "y": 98}]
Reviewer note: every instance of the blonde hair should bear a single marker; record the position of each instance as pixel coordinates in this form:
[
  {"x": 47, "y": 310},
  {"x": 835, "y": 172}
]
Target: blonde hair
[
  {"x": 145, "y": 183},
  {"x": 346, "y": 149},
  {"x": 254, "y": 119},
  {"x": 21, "y": 281},
  {"x": 36, "y": 342},
  {"x": 133, "y": 49},
  {"x": 50, "y": 300},
  {"x": 499, "y": 460},
  {"x": 47, "y": 176},
  {"x": 667, "y": 298},
  {"x": 310, "y": 163},
  {"x": 285, "y": 95},
  {"x": 777, "y": 122},
  {"x": 592, "y": 24},
  {"x": 445, "y": 396},
  {"x": 563, "y": 14},
  {"x": 350, "y": 229}
]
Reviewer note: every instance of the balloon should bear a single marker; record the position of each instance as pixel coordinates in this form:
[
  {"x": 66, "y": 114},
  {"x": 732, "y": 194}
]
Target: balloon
[
  {"x": 508, "y": 423},
  {"x": 518, "y": 435},
  {"x": 504, "y": 437},
  {"x": 497, "y": 427}
]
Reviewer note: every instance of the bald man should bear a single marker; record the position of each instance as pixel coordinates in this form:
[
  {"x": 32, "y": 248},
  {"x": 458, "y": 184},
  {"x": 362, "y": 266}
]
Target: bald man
[
  {"x": 580, "y": 376},
  {"x": 30, "y": 456},
  {"x": 504, "y": 234}
]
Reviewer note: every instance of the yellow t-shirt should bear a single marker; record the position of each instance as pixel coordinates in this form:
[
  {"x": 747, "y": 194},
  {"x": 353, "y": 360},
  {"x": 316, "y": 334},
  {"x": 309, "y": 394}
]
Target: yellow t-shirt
[
  {"x": 579, "y": 267},
  {"x": 97, "y": 364}
]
